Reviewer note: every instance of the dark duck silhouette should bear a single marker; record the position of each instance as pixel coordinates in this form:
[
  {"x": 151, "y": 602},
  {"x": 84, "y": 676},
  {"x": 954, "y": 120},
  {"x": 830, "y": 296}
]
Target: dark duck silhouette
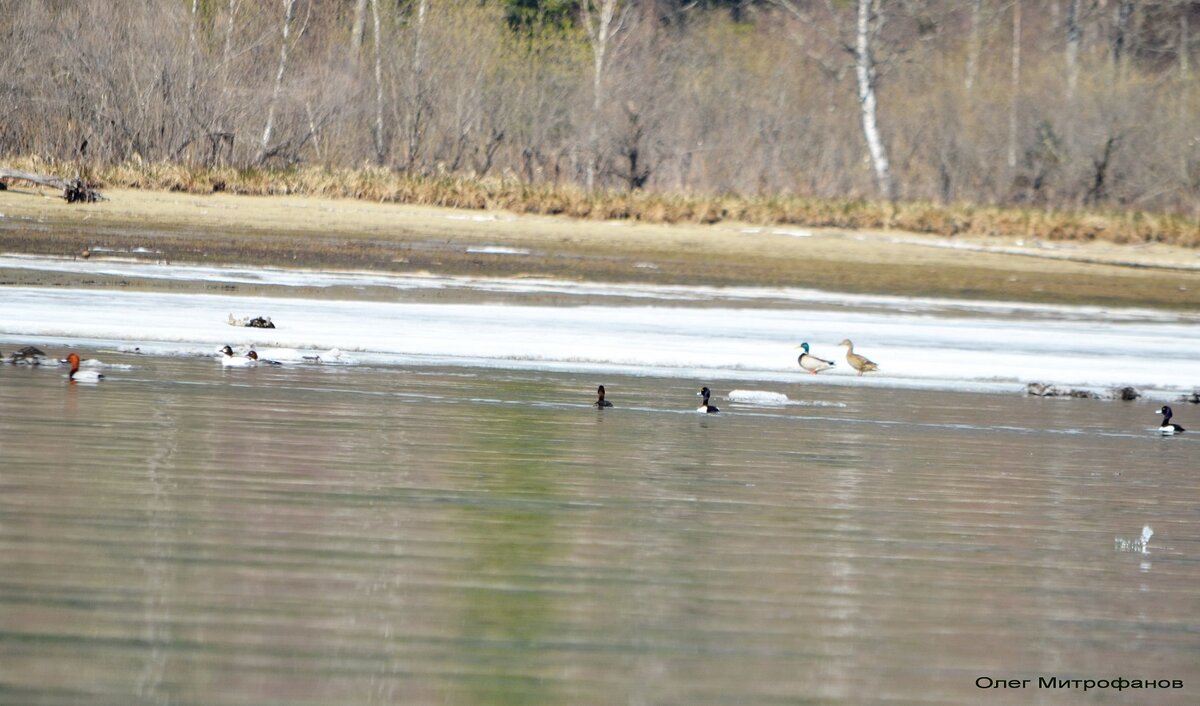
[
  {"x": 1167, "y": 427},
  {"x": 705, "y": 406},
  {"x": 601, "y": 402}
]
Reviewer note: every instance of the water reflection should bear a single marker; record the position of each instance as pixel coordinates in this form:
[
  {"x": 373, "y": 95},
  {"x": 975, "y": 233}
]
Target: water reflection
[{"x": 315, "y": 535}]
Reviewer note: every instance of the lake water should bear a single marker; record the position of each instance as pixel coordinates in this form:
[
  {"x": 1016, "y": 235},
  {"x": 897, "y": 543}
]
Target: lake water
[{"x": 395, "y": 529}]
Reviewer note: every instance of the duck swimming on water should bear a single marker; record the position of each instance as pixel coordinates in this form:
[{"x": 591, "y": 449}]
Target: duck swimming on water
[
  {"x": 77, "y": 375},
  {"x": 229, "y": 360},
  {"x": 1167, "y": 427},
  {"x": 812, "y": 363},
  {"x": 601, "y": 403},
  {"x": 856, "y": 361},
  {"x": 262, "y": 361},
  {"x": 705, "y": 406}
]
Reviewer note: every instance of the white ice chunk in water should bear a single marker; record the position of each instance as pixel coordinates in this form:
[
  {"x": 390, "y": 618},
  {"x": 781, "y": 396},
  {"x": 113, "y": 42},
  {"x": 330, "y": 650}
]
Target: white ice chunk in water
[
  {"x": 1141, "y": 545},
  {"x": 763, "y": 397}
]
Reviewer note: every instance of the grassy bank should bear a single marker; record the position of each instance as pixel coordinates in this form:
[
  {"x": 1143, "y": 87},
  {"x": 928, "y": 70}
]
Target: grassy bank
[{"x": 386, "y": 186}]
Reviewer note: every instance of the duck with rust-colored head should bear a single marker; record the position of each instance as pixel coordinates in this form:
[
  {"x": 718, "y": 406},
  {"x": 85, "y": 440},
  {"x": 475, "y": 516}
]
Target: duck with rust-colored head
[
  {"x": 77, "y": 375},
  {"x": 229, "y": 360}
]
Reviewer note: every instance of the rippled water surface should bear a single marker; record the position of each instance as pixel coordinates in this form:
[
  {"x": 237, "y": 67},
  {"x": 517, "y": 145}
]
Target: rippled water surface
[{"x": 186, "y": 534}]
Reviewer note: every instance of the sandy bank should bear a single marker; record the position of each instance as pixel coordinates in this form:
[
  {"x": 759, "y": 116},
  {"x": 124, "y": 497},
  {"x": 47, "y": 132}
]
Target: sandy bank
[{"x": 334, "y": 234}]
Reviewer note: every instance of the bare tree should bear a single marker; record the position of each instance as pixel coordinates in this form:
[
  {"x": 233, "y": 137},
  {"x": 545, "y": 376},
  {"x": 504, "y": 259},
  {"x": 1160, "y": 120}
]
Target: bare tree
[
  {"x": 289, "y": 11},
  {"x": 228, "y": 52},
  {"x": 358, "y": 28},
  {"x": 1014, "y": 85},
  {"x": 868, "y": 23},
  {"x": 642, "y": 96},
  {"x": 417, "y": 91},
  {"x": 603, "y": 20},
  {"x": 191, "y": 63},
  {"x": 1121, "y": 31},
  {"x": 974, "y": 44},
  {"x": 381, "y": 146},
  {"x": 1185, "y": 96},
  {"x": 867, "y": 27},
  {"x": 1074, "y": 39},
  {"x": 1184, "y": 40}
]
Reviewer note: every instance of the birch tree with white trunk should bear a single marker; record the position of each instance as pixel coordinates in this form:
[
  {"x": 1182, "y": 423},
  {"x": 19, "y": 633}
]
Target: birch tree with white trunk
[
  {"x": 974, "y": 44},
  {"x": 227, "y": 53},
  {"x": 358, "y": 28},
  {"x": 867, "y": 27},
  {"x": 289, "y": 13},
  {"x": 868, "y": 23},
  {"x": 377, "y": 134},
  {"x": 603, "y": 20}
]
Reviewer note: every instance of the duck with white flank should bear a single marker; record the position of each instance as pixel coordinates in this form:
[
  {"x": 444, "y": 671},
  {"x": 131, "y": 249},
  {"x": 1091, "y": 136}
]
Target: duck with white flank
[
  {"x": 812, "y": 363},
  {"x": 601, "y": 403},
  {"x": 1167, "y": 427},
  {"x": 77, "y": 375},
  {"x": 856, "y": 361},
  {"x": 229, "y": 360},
  {"x": 705, "y": 406},
  {"x": 262, "y": 361}
]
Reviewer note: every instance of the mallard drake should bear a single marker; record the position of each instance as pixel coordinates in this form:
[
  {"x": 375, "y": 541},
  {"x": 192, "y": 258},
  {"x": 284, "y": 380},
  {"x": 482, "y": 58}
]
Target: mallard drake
[
  {"x": 705, "y": 407},
  {"x": 1167, "y": 427},
  {"x": 601, "y": 402},
  {"x": 856, "y": 361},
  {"x": 812, "y": 363}
]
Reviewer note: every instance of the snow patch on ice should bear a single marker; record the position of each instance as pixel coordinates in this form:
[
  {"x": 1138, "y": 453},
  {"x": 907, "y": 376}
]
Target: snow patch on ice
[
  {"x": 497, "y": 250},
  {"x": 653, "y": 292},
  {"x": 918, "y": 343}
]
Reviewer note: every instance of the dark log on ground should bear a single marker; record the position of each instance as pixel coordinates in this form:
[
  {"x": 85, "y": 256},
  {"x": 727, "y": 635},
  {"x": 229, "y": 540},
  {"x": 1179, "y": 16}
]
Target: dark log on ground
[
  {"x": 1038, "y": 389},
  {"x": 74, "y": 190},
  {"x": 27, "y": 356}
]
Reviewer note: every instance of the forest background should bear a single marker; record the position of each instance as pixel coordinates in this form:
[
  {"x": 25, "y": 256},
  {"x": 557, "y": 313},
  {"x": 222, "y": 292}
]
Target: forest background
[{"x": 656, "y": 109}]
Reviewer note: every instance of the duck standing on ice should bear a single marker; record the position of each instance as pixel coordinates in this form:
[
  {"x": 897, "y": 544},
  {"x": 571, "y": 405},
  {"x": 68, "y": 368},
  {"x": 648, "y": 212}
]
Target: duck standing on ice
[
  {"x": 856, "y": 361},
  {"x": 812, "y": 363}
]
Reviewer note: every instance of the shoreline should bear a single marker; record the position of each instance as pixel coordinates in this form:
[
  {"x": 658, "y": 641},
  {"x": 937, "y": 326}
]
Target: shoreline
[{"x": 343, "y": 234}]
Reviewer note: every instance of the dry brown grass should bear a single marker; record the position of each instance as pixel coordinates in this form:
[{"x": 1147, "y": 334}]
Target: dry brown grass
[{"x": 465, "y": 191}]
